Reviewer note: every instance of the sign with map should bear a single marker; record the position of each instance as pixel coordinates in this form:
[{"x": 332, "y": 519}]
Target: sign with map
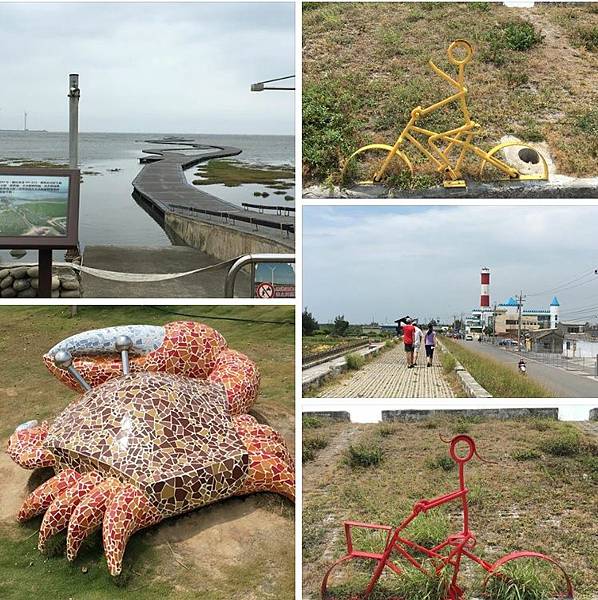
[{"x": 39, "y": 207}]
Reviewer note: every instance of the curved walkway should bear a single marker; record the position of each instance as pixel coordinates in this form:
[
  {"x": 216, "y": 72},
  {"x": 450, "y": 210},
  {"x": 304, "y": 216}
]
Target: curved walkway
[
  {"x": 388, "y": 377},
  {"x": 162, "y": 183}
]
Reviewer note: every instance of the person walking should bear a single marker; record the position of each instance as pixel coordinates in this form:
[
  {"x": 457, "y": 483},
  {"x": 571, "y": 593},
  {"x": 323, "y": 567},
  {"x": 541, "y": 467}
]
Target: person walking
[
  {"x": 417, "y": 340},
  {"x": 430, "y": 343},
  {"x": 408, "y": 336}
]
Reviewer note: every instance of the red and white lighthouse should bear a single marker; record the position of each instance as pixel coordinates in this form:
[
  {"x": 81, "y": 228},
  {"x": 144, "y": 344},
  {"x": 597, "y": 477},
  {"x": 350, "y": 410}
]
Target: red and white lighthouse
[{"x": 485, "y": 288}]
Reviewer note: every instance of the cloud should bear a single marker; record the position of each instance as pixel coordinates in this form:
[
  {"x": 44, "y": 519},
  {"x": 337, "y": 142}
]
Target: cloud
[
  {"x": 148, "y": 67},
  {"x": 386, "y": 261}
]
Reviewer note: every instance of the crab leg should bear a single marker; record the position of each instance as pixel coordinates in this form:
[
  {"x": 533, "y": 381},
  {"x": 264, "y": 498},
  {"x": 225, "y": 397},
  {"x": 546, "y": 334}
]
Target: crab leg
[
  {"x": 88, "y": 514},
  {"x": 271, "y": 467},
  {"x": 127, "y": 512},
  {"x": 39, "y": 500},
  {"x": 240, "y": 378},
  {"x": 59, "y": 512},
  {"x": 26, "y": 448}
]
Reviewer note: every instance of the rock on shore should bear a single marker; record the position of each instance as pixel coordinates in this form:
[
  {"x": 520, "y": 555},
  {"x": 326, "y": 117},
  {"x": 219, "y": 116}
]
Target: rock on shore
[{"x": 23, "y": 282}]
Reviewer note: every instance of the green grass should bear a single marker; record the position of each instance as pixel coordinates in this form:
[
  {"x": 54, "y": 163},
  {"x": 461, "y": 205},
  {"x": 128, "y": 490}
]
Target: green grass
[
  {"x": 29, "y": 391},
  {"x": 562, "y": 443},
  {"x": 498, "y": 379},
  {"x": 543, "y": 504},
  {"x": 365, "y": 68},
  {"x": 233, "y": 173},
  {"x": 311, "y": 445},
  {"x": 521, "y": 454},
  {"x": 526, "y": 580},
  {"x": 354, "y": 361}
]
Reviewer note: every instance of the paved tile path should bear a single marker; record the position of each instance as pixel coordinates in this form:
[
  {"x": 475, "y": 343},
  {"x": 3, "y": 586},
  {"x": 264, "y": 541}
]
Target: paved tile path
[{"x": 388, "y": 377}]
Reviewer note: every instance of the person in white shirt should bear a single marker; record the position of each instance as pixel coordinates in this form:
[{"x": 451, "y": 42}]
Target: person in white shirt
[{"x": 417, "y": 339}]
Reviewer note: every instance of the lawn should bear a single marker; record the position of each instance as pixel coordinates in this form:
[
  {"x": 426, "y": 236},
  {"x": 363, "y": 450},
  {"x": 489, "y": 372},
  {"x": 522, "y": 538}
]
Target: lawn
[
  {"x": 242, "y": 547},
  {"x": 538, "y": 494},
  {"x": 365, "y": 67}
]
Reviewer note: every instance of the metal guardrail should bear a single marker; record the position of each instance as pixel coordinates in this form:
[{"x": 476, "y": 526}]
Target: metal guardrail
[
  {"x": 289, "y": 228},
  {"x": 252, "y": 260},
  {"x": 280, "y": 210}
]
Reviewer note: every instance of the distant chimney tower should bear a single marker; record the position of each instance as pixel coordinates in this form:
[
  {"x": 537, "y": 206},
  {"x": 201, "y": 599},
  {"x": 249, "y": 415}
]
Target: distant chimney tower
[
  {"x": 25, "y": 122},
  {"x": 485, "y": 288}
]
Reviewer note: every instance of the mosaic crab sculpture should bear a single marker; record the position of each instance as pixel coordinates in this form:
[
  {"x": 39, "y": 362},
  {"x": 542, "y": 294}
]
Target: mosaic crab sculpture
[{"x": 158, "y": 431}]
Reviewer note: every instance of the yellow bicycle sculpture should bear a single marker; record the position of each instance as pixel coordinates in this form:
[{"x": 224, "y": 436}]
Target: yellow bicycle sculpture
[{"x": 367, "y": 161}]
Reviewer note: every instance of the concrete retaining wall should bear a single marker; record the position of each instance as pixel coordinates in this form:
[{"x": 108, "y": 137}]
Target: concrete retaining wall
[
  {"x": 221, "y": 241},
  {"x": 594, "y": 414},
  {"x": 340, "y": 415},
  {"x": 470, "y": 386},
  {"x": 407, "y": 416}
]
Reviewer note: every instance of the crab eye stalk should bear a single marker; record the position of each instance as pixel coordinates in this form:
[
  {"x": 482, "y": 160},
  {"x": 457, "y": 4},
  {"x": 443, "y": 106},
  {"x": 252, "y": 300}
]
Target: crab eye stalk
[
  {"x": 64, "y": 360},
  {"x": 123, "y": 344}
]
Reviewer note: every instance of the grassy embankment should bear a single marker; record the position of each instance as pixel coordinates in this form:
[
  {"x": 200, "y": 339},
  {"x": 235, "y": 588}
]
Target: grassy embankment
[
  {"x": 538, "y": 494},
  {"x": 233, "y": 173},
  {"x": 365, "y": 68},
  {"x": 500, "y": 380},
  {"x": 237, "y": 548}
]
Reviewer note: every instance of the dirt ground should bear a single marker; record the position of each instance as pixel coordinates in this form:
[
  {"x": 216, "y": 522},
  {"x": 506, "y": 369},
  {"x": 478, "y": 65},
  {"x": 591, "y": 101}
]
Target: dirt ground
[
  {"x": 530, "y": 499},
  {"x": 240, "y": 547}
]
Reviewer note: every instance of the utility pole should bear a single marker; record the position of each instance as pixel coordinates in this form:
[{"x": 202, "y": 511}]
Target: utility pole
[{"x": 520, "y": 300}]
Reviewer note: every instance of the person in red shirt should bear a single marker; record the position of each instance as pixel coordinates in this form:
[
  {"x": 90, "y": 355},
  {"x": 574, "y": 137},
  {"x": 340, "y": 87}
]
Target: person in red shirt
[{"x": 408, "y": 340}]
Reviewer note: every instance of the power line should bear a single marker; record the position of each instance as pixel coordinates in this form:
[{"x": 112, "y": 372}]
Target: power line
[
  {"x": 182, "y": 314},
  {"x": 565, "y": 285}
]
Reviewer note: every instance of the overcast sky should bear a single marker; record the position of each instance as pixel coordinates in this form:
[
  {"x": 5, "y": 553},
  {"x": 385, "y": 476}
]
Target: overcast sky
[
  {"x": 386, "y": 262},
  {"x": 148, "y": 67}
]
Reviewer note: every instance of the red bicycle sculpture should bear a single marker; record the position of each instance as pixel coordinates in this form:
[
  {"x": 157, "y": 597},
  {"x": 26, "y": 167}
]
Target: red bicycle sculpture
[{"x": 449, "y": 553}]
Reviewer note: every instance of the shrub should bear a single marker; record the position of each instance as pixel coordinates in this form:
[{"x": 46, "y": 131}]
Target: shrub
[
  {"x": 311, "y": 422},
  {"x": 521, "y": 36},
  {"x": 587, "y": 122},
  {"x": 354, "y": 361},
  {"x": 522, "y": 454},
  {"x": 563, "y": 443},
  {"x": 311, "y": 445},
  {"x": 329, "y": 128},
  {"x": 363, "y": 456},
  {"x": 588, "y": 37},
  {"x": 386, "y": 429}
]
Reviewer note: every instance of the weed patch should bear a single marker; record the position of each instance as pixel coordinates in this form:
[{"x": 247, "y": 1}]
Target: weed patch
[
  {"x": 311, "y": 445},
  {"x": 354, "y": 361},
  {"x": 362, "y": 456}
]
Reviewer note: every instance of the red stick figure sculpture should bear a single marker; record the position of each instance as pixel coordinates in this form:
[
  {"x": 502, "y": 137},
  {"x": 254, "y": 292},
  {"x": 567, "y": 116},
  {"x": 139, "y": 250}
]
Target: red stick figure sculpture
[{"x": 450, "y": 552}]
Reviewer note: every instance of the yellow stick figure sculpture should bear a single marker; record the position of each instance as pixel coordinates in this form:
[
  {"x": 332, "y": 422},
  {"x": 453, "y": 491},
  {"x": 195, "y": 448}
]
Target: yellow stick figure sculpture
[{"x": 377, "y": 161}]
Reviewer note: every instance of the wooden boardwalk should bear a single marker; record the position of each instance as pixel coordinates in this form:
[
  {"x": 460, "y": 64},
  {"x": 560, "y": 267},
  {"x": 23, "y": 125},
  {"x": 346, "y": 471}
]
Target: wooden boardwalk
[{"x": 162, "y": 184}]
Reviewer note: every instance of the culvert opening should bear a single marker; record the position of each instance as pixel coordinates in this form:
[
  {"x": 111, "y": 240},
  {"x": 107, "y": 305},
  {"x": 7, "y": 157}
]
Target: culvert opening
[{"x": 529, "y": 156}]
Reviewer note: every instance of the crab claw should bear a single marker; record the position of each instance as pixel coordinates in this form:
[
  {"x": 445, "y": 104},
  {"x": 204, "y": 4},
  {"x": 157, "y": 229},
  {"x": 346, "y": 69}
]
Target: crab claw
[
  {"x": 180, "y": 348},
  {"x": 127, "y": 512},
  {"x": 39, "y": 500},
  {"x": 88, "y": 514},
  {"x": 60, "y": 510},
  {"x": 25, "y": 447}
]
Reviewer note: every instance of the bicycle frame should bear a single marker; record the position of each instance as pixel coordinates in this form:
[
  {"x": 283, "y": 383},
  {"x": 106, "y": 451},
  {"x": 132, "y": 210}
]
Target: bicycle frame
[
  {"x": 461, "y": 544},
  {"x": 457, "y": 137}
]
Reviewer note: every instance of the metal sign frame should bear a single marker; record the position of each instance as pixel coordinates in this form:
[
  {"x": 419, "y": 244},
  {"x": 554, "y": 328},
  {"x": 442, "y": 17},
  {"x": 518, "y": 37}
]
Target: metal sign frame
[{"x": 63, "y": 242}]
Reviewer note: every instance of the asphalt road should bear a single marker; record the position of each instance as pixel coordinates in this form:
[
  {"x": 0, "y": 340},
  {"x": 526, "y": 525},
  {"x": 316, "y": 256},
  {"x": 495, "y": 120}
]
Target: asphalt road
[{"x": 560, "y": 382}]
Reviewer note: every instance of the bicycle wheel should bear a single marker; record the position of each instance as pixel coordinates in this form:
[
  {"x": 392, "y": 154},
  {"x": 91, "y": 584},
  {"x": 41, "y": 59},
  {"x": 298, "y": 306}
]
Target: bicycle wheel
[
  {"x": 528, "y": 163},
  {"x": 527, "y": 576},
  {"x": 346, "y": 579},
  {"x": 363, "y": 166}
]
